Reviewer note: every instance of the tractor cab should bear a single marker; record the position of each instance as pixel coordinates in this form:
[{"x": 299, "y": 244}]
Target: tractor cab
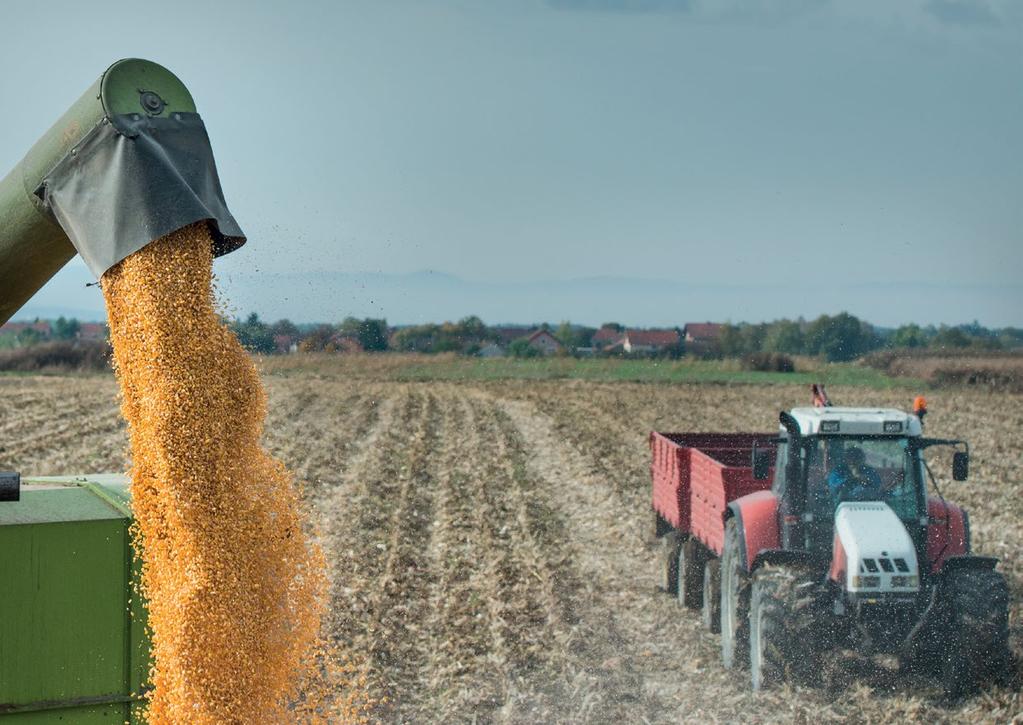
[
  {"x": 829, "y": 456},
  {"x": 831, "y": 461}
]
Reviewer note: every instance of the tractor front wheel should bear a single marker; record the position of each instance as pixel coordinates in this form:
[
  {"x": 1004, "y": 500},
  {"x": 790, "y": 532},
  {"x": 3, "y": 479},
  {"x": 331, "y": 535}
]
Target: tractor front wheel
[
  {"x": 735, "y": 598},
  {"x": 977, "y": 640},
  {"x": 786, "y": 627}
]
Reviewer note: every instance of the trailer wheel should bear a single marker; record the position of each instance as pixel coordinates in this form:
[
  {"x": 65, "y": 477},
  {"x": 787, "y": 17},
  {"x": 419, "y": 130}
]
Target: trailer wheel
[
  {"x": 735, "y": 594},
  {"x": 670, "y": 545},
  {"x": 690, "y": 574},
  {"x": 977, "y": 640},
  {"x": 659, "y": 527},
  {"x": 786, "y": 627},
  {"x": 711, "y": 613}
]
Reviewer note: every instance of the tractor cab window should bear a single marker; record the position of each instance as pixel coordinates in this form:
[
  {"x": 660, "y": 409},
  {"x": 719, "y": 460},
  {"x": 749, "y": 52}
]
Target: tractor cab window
[{"x": 861, "y": 469}]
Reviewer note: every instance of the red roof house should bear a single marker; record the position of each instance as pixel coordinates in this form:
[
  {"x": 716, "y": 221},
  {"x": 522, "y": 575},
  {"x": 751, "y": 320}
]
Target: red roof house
[
  {"x": 702, "y": 331},
  {"x": 40, "y": 326},
  {"x": 649, "y": 340},
  {"x": 92, "y": 331},
  {"x": 702, "y": 337},
  {"x": 607, "y": 335}
]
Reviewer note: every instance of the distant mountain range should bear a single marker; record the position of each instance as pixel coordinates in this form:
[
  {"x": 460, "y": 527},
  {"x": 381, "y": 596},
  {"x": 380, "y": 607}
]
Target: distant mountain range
[{"x": 430, "y": 296}]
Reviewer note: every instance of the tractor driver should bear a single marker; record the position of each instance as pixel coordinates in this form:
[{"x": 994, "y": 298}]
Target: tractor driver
[{"x": 854, "y": 480}]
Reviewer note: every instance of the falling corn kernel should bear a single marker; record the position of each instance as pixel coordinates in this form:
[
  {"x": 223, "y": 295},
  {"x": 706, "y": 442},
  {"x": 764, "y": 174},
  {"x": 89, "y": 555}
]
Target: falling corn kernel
[{"x": 235, "y": 586}]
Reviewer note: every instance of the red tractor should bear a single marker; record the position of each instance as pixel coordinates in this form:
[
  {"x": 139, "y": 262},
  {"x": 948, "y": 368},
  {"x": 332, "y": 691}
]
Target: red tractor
[{"x": 827, "y": 536}]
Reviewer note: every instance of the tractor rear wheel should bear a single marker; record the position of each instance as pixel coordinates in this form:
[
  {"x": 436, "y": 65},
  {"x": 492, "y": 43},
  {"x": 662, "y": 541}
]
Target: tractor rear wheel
[
  {"x": 690, "y": 574},
  {"x": 977, "y": 641},
  {"x": 735, "y": 598},
  {"x": 711, "y": 613},
  {"x": 786, "y": 625},
  {"x": 670, "y": 545}
]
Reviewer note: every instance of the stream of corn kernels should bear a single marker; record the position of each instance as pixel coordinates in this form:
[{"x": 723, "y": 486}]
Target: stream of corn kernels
[{"x": 235, "y": 586}]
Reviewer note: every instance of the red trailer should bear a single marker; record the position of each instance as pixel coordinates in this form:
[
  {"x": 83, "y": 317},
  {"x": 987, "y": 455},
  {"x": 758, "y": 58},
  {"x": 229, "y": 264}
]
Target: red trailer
[{"x": 695, "y": 476}]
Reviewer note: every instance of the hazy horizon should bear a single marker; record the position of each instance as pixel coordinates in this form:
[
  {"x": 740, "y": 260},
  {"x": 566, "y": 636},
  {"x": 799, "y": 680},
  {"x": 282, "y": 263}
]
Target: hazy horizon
[{"x": 330, "y": 296}]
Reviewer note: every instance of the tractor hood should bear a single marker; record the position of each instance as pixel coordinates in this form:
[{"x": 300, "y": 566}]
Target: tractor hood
[{"x": 873, "y": 553}]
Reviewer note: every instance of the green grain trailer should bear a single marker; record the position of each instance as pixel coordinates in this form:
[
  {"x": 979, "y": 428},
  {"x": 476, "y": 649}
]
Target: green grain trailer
[
  {"x": 128, "y": 163},
  {"x": 72, "y": 633}
]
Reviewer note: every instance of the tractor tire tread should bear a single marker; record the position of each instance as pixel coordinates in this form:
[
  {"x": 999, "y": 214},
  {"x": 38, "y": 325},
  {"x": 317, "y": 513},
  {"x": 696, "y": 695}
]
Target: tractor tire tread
[
  {"x": 977, "y": 645},
  {"x": 734, "y": 643},
  {"x": 788, "y": 625}
]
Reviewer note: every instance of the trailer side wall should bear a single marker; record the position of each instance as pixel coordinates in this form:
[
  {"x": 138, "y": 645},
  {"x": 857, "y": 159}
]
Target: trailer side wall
[{"x": 696, "y": 475}]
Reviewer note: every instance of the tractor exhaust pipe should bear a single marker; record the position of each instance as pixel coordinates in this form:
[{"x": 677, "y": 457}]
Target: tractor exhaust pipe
[
  {"x": 129, "y": 162},
  {"x": 793, "y": 505}
]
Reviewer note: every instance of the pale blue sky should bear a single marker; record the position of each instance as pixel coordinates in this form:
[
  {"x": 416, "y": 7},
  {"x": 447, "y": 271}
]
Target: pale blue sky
[{"x": 785, "y": 157}]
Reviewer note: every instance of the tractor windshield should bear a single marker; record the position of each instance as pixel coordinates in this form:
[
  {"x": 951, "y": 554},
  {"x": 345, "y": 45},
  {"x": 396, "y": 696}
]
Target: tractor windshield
[{"x": 851, "y": 468}]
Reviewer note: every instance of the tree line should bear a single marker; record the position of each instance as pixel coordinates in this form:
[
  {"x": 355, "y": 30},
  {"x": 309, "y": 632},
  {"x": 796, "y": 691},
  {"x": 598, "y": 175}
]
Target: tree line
[
  {"x": 836, "y": 338},
  {"x": 63, "y": 328},
  {"x": 844, "y": 337},
  {"x": 840, "y": 337}
]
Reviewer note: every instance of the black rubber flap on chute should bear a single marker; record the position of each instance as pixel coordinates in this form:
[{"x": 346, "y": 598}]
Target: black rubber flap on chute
[{"x": 133, "y": 180}]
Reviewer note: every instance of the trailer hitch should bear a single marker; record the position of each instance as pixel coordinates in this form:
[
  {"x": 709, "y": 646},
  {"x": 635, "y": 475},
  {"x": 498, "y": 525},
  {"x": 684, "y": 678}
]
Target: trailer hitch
[
  {"x": 909, "y": 643},
  {"x": 10, "y": 486}
]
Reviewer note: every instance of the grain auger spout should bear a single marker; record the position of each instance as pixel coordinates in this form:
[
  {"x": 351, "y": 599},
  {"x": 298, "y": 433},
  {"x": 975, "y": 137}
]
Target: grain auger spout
[{"x": 128, "y": 163}]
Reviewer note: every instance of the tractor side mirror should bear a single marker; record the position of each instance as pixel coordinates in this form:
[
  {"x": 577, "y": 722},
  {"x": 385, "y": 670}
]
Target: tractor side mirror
[
  {"x": 960, "y": 465},
  {"x": 761, "y": 464}
]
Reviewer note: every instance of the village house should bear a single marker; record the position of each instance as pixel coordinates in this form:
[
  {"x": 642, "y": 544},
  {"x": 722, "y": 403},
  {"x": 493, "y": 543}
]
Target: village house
[
  {"x": 606, "y": 336},
  {"x": 644, "y": 341},
  {"x": 702, "y": 337},
  {"x": 14, "y": 328},
  {"x": 92, "y": 332},
  {"x": 637, "y": 341},
  {"x": 545, "y": 342}
]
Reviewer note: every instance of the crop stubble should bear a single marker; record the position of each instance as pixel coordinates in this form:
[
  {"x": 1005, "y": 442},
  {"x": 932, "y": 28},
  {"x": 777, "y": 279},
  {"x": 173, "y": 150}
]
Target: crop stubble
[{"x": 489, "y": 551}]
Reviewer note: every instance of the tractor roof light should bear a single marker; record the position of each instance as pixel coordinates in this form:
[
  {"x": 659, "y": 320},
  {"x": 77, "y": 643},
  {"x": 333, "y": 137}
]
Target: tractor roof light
[
  {"x": 830, "y": 426},
  {"x": 920, "y": 408}
]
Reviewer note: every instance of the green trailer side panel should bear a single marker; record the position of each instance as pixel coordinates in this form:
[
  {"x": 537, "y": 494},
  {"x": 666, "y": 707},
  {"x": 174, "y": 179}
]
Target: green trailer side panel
[
  {"x": 73, "y": 647},
  {"x": 74, "y": 642}
]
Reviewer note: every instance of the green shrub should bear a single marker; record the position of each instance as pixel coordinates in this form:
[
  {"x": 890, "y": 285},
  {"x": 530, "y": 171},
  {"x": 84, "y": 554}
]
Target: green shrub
[
  {"x": 768, "y": 362},
  {"x": 61, "y": 355}
]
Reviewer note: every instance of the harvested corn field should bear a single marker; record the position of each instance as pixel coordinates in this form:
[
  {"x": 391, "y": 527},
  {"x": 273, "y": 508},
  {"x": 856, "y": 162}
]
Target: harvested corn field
[{"x": 488, "y": 542}]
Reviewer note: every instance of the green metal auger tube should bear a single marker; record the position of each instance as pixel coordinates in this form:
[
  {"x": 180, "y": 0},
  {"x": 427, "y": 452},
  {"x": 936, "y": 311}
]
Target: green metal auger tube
[{"x": 127, "y": 163}]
